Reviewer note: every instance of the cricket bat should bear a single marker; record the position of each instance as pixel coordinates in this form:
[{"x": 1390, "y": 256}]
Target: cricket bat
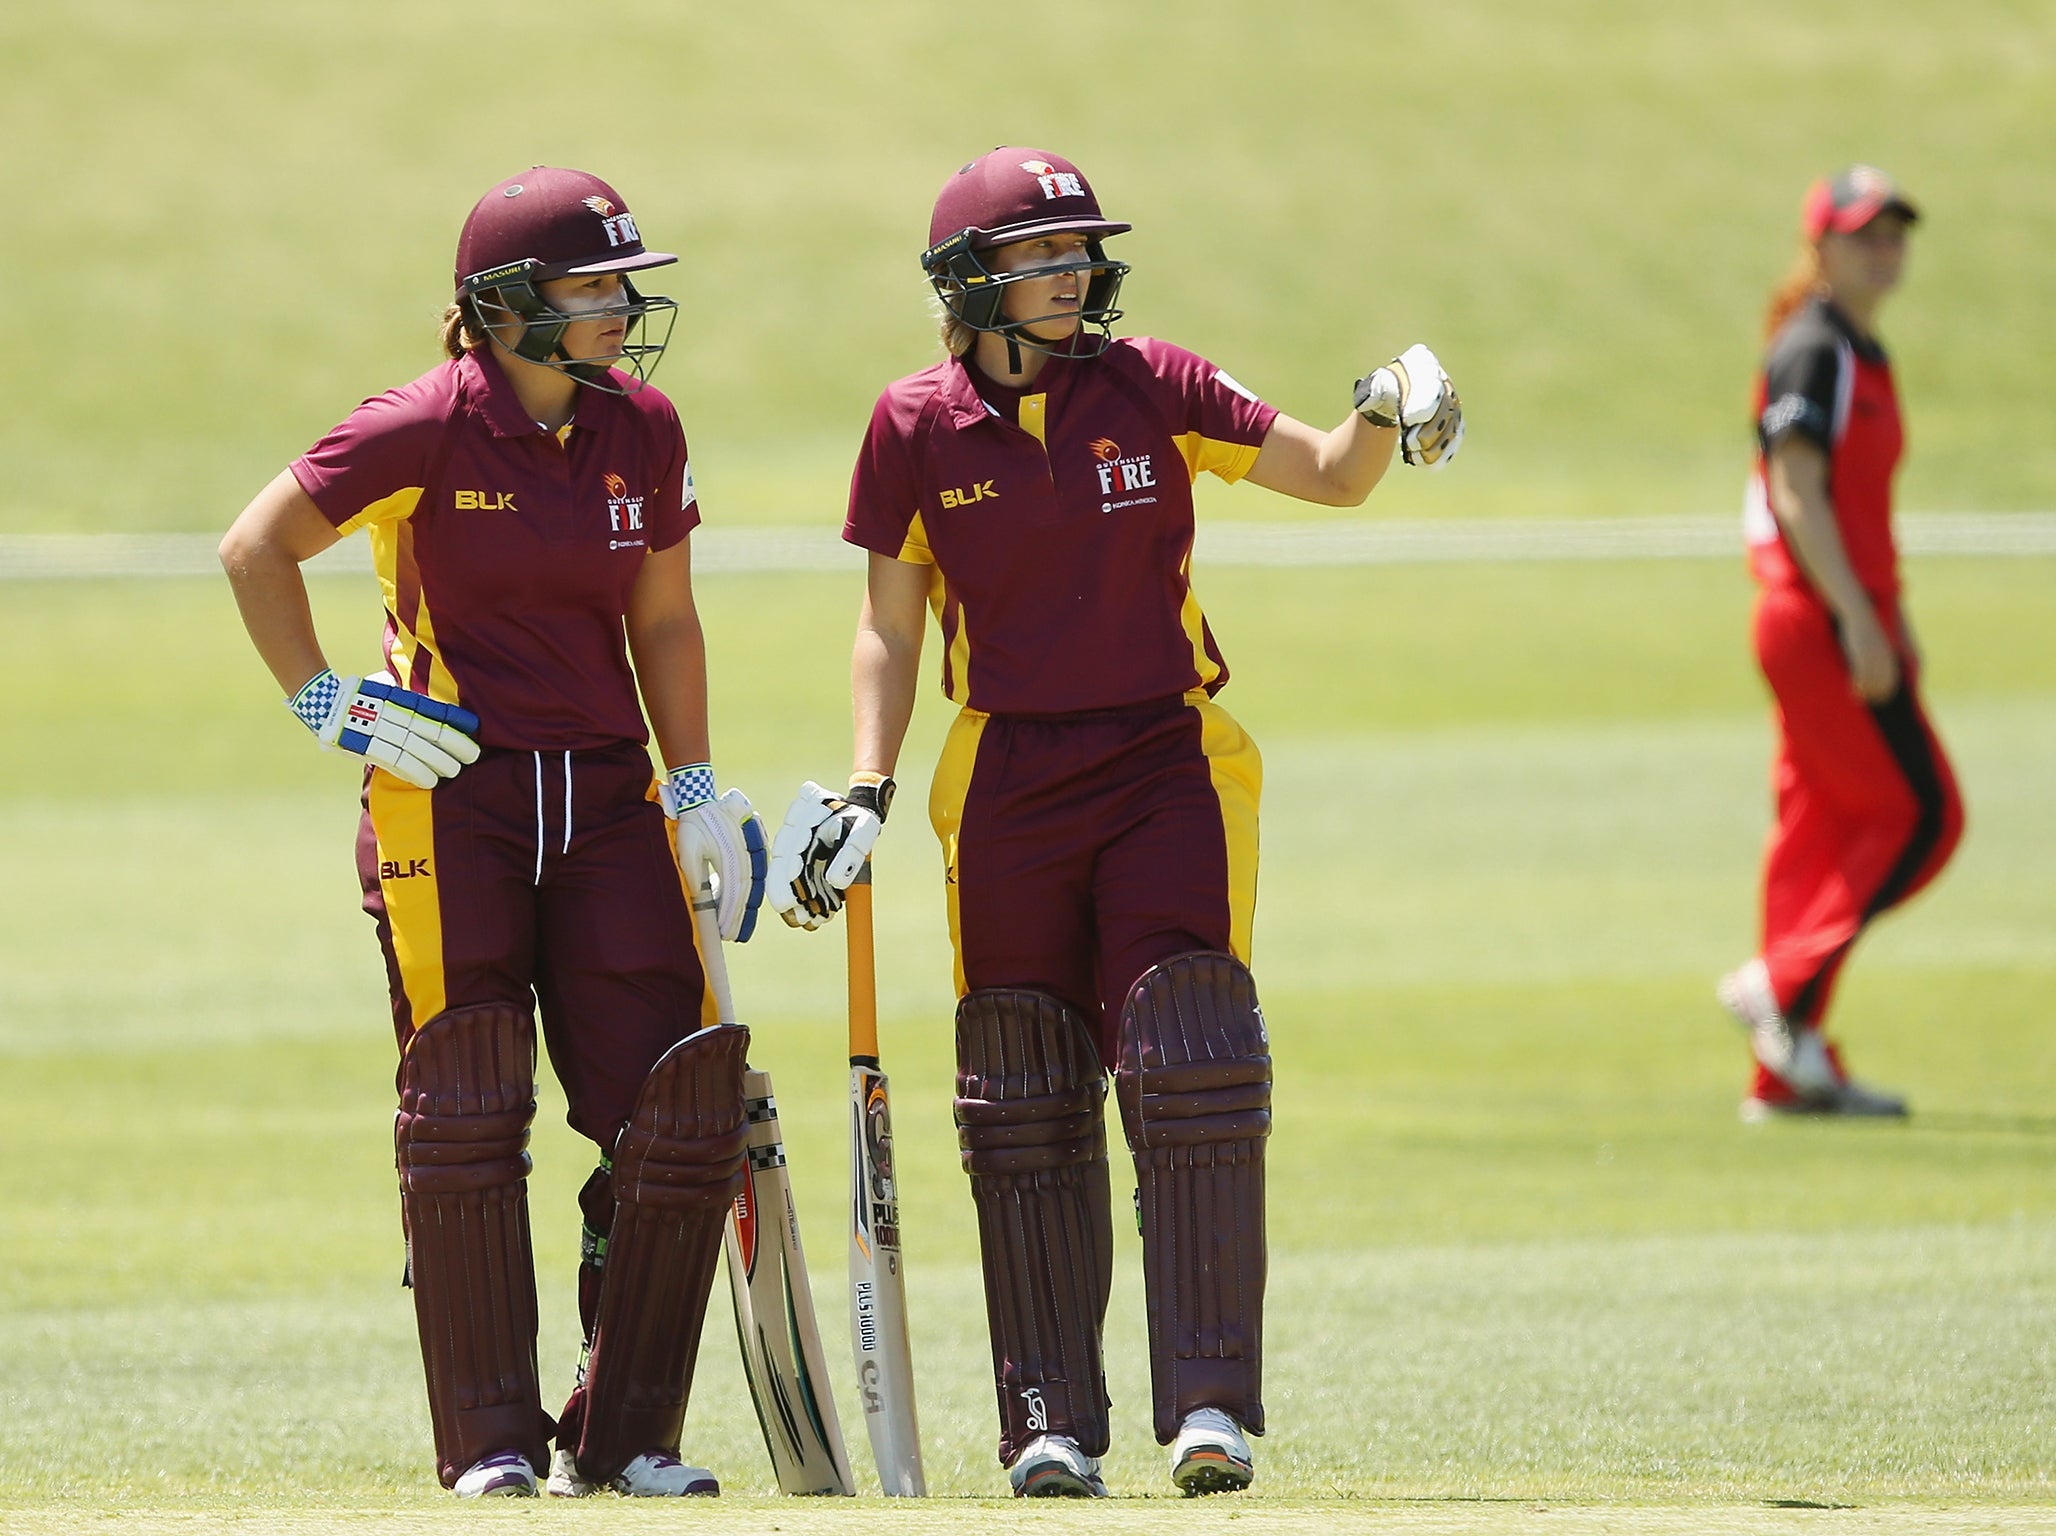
[
  {"x": 767, "y": 1275},
  {"x": 878, "y": 1297}
]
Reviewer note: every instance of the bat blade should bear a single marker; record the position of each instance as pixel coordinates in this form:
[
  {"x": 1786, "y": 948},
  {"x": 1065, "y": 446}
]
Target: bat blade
[
  {"x": 878, "y": 1301},
  {"x": 775, "y": 1322}
]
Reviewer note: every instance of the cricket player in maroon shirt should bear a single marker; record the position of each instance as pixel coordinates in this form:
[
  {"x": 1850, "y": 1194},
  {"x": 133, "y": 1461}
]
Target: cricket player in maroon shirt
[
  {"x": 1867, "y": 807},
  {"x": 1097, "y": 809},
  {"x": 529, "y": 505}
]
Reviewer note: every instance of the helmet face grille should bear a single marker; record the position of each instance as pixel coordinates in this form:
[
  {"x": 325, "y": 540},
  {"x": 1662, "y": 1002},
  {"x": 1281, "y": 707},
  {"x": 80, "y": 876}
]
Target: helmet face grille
[
  {"x": 974, "y": 293},
  {"x": 523, "y": 322}
]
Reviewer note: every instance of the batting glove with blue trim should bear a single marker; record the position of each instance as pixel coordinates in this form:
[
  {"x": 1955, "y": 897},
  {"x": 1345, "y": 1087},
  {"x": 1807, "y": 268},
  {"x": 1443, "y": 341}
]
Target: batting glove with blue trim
[
  {"x": 724, "y": 835},
  {"x": 410, "y": 735}
]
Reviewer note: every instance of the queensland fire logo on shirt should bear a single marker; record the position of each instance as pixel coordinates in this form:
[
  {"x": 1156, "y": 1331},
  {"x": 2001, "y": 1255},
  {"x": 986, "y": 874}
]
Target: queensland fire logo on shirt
[
  {"x": 1054, "y": 183},
  {"x": 1120, "y": 473},
  {"x": 624, "y": 512}
]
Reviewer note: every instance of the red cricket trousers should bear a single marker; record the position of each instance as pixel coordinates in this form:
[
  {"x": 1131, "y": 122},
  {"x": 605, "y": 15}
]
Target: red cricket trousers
[{"x": 1867, "y": 806}]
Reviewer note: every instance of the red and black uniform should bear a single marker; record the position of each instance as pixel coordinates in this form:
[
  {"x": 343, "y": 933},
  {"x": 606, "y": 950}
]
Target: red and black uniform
[
  {"x": 1867, "y": 806},
  {"x": 1098, "y": 812}
]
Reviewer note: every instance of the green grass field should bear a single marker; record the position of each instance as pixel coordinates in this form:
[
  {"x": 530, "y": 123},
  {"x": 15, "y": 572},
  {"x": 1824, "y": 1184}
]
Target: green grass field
[
  {"x": 1522, "y": 1249},
  {"x": 236, "y": 220},
  {"x": 1525, "y": 1258}
]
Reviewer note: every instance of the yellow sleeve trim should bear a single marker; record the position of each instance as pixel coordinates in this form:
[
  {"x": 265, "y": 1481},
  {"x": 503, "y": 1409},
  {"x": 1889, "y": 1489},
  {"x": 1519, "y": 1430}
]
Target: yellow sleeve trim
[
  {"x": 1231, "y": 461},
  {"x": 915, "y": 550},
  {"x": 390, "y": 510}
]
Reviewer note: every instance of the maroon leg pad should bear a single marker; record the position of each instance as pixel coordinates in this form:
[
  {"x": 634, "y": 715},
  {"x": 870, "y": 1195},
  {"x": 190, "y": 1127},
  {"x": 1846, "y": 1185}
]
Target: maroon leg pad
[
  {"x": 1194, "y": 1081},
  {"x": 1030, "y": 1091},
  {"x": 467, "y": 1098},
  {"x": 677, "y": 1167}
]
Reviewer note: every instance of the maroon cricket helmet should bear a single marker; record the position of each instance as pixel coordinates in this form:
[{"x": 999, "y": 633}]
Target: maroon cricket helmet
[
  {"x": 1013, "y": 193},
  {"x": 1846, "y": 202},
  {"x": 566, "y": 223}
]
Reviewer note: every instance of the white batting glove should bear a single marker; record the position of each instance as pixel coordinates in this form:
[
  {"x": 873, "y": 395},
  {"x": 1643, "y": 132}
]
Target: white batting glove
[
  {"x": 410, "y": 735},
  {"x": 822, "y": 846},
  {"x": 718, "y": 838},
  {"x": 1413, "y": 393}
]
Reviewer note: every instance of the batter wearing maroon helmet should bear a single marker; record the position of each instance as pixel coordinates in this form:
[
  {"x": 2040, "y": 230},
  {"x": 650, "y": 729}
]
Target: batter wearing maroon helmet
[
  {"x": 1867, "y": 807},
  {"x": 1097, "y": 809},
  {"x": 529, "y": 503}
]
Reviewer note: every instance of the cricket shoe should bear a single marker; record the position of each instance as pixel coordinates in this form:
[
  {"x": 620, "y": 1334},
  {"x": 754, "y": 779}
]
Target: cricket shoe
[
  {"x": 1210, "y": 1455},
  {"x": 1773, "y": 1099},
  {"x": 503, "y": 1475},
  {"x": 652, "y": 1475},
  {"x": 1793, "y": 1054},
  {"x": 1052, "y": 1467}
]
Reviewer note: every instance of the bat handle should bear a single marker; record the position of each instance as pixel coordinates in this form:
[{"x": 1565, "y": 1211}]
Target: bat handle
[
  {"x": 712, "y": 961},
  {"x": 863, "y": 969}
]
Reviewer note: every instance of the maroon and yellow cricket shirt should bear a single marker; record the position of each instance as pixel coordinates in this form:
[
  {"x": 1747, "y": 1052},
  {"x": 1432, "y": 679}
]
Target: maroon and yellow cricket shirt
[
  {"x": 1097, "y": 811},
  {"x": 508, "y": 555},
  {"x": 507, "y": 552},
  {"x": 1058, "y": 520}
]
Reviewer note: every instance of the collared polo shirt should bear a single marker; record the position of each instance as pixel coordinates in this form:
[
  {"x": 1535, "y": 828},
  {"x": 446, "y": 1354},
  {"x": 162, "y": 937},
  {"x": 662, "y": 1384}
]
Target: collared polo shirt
[
  {"x": 1058, "y": 520},
  {"x": 1826, "y": 383},
  {"x": 507, "y": 553}
]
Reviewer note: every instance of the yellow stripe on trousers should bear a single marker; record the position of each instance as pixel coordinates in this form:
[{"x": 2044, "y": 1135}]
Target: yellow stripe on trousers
[
  {"x": 403, "y": 818},
  {"x": 1238, "y": 774},
  {"x": 946, "y": 795}
]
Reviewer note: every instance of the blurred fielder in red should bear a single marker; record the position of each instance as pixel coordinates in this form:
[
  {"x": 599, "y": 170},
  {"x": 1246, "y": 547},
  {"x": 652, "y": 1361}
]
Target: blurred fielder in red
[{"x": 1867, "y": 806}]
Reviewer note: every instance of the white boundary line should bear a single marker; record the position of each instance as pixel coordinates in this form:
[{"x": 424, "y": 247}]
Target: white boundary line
[{"x": 28, "y": 556}]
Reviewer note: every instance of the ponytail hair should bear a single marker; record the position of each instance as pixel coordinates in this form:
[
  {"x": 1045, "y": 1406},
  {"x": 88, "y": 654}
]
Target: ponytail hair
[
  {"x": 1798, "y": 285},
  {"x": 461, "y": 330}
]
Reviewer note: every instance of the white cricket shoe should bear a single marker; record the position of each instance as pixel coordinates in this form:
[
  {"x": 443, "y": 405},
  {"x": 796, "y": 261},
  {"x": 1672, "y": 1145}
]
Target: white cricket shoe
[
  {"x": 1849, "y": 1098},
  {"x": 1053, "y": 1467},
  {"x": 1794, "y": 1055},
  {"x": 1210, "y": 1455},
  {"x": 503, "y": 1475},
  {"x": 652, "y": 1475}
]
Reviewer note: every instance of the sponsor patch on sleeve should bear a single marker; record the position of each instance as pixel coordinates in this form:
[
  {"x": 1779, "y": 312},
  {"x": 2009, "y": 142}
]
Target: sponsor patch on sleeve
[
  {"x": 1224, "y": 378},
  {"x": 689, "y": 495}
]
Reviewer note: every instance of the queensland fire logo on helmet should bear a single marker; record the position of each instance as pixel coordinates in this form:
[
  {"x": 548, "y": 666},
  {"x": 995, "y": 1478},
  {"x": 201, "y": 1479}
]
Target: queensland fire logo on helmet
[
  {"x": 1054, "y": 183},
  {"x": 620, "y": 227}
]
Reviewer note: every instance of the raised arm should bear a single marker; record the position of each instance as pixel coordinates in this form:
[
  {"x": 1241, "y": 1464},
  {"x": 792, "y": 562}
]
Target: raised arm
[{"x": 1408, "y": 403}]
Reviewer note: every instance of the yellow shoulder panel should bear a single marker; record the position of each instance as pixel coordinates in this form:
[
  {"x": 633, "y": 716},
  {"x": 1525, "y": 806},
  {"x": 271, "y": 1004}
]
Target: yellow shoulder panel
[{"x": 388, "y": 510}]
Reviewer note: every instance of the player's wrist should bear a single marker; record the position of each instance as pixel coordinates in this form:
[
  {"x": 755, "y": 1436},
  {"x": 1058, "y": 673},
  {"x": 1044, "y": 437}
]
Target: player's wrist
[
  {"x": 1379, "y": 394},
  {"x": 685, "y": 787},
  {"x": 873, "y": 791},
  {"x": 316, "y": 700}
]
